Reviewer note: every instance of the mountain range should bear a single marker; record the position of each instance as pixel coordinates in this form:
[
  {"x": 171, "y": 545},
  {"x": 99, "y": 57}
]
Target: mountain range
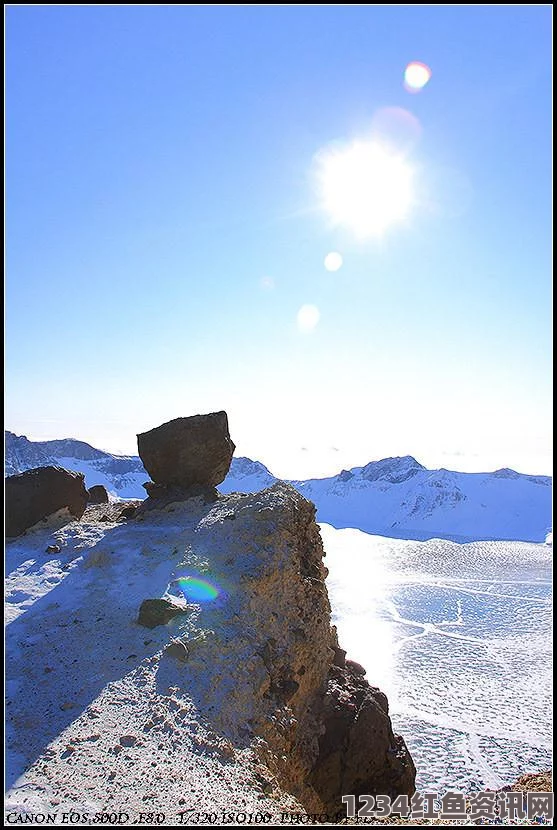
[{"x": 396, "y": 497}]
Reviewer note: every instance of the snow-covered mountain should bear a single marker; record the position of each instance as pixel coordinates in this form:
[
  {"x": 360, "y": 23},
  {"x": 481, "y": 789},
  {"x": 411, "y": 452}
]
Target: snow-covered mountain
[
  {"x": 122, "y": 475},
  {"x": 396, "y": 497}
]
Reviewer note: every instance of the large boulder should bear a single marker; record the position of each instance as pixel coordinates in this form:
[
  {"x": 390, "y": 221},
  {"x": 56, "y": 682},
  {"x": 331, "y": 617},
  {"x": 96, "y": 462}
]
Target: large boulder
[
  {"x": 36, "y": 494},
  {"x": 98, "y": 494},
  {"x": 188, "y": 452}
]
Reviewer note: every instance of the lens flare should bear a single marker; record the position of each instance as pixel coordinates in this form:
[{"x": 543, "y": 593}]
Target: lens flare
[
  {"x": 416, "y": 76},
  {"x": 333, "y": 261},
  {"x": 307, "y": 318},
  {"x": 396, "y": 126},
  {"x": 198, "y": 590}
]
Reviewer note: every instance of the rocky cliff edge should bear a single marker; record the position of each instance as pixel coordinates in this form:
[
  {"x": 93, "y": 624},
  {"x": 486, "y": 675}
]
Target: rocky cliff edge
[{"x": 246, "y": 675}]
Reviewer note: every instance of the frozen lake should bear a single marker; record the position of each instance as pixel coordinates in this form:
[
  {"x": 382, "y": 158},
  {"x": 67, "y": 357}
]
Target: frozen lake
[{"x": 459, "y": 638}]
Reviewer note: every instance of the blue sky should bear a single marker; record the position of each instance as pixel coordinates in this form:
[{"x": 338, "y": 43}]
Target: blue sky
[{"x": 165, "y": 224}]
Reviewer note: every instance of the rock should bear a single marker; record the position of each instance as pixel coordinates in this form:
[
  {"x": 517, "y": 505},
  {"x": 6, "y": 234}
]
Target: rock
[
  {"x": 354, "y": 668},
  {"x": 128, "y": 512},
  {"x": 358, "y": 751},
  {"x": 177, "y": 649},
  {"x": 534, "y": 782},
  {"x": 339, "y": 658},
  {"x": 128, "y": 740},
  {"x": 53, "y": 549},
  {"x": 188, "y": 452},
  {"x": 37, "y": 494},
  {"x": 325, "y": 731},
  {"x": 98, "y": 494},
  {"x": 155, "y": 612},
  {"x": 162, "y": 495}
]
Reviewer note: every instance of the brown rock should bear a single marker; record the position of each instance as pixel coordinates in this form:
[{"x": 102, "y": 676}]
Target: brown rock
[
  {"x": 358, "y": 751},
  {"x": 155, "y": 612},
  {"x": 327, "y": 731},
  {"x": 534, "y": 782},
  {"x": 37, "y": 494},
  {"x": 188, "y": 452},
  {"x": 354, "y": 668},
  {"x": 98, "y": 494}
]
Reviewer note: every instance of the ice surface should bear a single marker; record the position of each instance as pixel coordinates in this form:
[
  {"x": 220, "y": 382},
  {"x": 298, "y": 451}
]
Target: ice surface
[{"x": 459, "y": 637}]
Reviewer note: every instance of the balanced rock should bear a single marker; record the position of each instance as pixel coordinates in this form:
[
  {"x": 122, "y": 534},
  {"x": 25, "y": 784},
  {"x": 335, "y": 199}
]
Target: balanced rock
[
  {"x": 36, "y": 494},
  {"x": 98, "y": 494},
  {"x": 188, "y": 452},
  {"x": 155, "y": 612}
]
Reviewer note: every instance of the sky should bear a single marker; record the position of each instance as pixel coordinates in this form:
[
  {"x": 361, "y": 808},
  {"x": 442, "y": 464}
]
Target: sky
[{"x": 177, "y": 179}]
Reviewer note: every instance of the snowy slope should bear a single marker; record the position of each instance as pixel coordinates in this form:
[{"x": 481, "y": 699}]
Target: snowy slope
[
  {"x": 100, "y": 718},
  {"x": 123, "y": 476},
  {"x": 395, "y": 497},
  {"x": 247, "y": 476},
  {"x": 400, "y": 498}
]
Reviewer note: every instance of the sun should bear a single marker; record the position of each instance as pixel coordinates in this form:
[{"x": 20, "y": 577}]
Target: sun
[{"x": 365, "y": 186}]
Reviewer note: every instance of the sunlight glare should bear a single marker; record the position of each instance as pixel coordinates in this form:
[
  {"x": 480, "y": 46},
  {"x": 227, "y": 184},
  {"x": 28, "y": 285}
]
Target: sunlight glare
[{"x": 365, "y": 186}]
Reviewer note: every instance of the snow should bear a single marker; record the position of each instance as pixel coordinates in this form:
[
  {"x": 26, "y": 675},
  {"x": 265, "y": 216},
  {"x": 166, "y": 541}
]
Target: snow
[
  {"x": 396, "y": 497},
  {"x": 399, "y": 498},
  {"x": 459, "y": 638},
  {"x": 435, "y": 504},
  {"x": 457, "y": 635},
  {"x": 98, "y": 717},
  {"x": 121, "y": 481}
]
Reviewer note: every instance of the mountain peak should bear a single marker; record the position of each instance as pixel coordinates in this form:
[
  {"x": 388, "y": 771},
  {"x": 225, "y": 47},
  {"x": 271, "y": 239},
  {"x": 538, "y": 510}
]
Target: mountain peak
[{"x": 395, "y": 469}]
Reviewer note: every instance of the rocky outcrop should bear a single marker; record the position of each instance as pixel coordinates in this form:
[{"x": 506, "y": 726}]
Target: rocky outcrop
[
  {"x": 534, "y": 782},
  {"x": 38, "y": 493},
  {"x": 98, "y": 494},
  {"x": 250, "y": 679},
  {"x": 358, "y": 751},
  {"x": 343, "y": 741},
  {"x": 321, "y": 729},
  {"x": 188, "y": 452}
]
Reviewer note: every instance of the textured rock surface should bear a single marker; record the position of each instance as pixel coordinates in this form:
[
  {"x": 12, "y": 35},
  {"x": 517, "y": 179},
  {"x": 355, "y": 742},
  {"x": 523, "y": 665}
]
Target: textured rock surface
[
  {"x": 321, "y": 729},
  {"x": 98, "y": 494},
  {"x": 535, "y": 782},
  {"x": 343, "y": 740},
  {"x": 37, "y": 494},
  {"x": 358, "y": 752},
  {"x": 188, "y": 452},
  {"x": 236, "y": 702}
]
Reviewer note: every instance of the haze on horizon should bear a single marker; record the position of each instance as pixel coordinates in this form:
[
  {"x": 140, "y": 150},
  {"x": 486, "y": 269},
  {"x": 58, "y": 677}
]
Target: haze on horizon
[{"x": 260, "y": 209}]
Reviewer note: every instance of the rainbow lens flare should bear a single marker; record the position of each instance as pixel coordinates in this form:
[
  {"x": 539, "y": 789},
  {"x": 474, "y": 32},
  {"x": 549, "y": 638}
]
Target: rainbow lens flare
[
  {"x": 198, "y": 590},
  {"x": 416, "y": 76}
]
